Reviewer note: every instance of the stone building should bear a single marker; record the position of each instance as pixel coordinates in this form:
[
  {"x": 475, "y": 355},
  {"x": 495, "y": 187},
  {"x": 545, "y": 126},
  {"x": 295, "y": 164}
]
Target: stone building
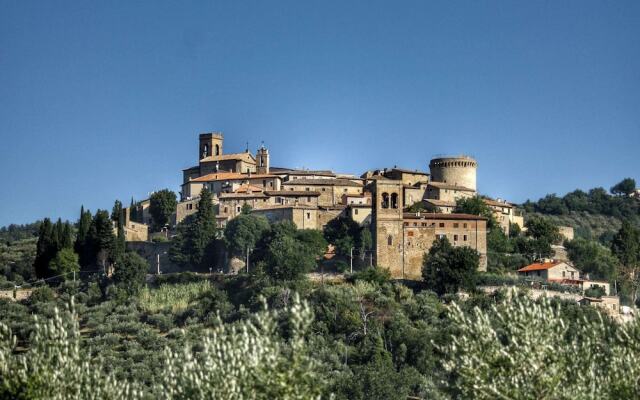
[
  {"x": 312, "y": 198},
  {"x": 505, "y": 214},
  {"x": 401, "y": 239},
  {"x": 331, "y": 190}
]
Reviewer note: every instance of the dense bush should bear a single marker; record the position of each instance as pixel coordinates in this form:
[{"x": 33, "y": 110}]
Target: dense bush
[{"x": 522, "y": 349}]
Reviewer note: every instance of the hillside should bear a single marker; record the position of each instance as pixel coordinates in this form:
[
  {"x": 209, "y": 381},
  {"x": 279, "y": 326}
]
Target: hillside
[{"x": 595, "y": 214}]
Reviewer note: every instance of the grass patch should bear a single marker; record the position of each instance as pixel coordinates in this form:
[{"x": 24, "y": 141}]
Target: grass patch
[{"x": 174, "y": 297}]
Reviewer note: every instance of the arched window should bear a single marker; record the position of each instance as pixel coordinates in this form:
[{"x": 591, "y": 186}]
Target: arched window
[
  {"x": 390, "y": 240},
  {"x": 385, "y": 200},
  {"x": 394, "y": 200},
  {"x": 217, "y": 150},
  {"x": 205, "y": 151}
]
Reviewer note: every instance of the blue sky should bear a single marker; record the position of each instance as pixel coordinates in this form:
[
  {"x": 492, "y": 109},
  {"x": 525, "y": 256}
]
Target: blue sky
[{"x": 105, "y": 101}]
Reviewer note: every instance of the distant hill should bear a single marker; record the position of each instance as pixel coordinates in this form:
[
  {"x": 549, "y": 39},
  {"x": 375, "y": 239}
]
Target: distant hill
[{"x": 595, "y": 214}]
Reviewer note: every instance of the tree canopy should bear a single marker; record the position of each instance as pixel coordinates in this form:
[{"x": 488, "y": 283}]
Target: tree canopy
[
  {"x": 625, "y": 187},
  {"x": 162, "y": 204},
  {"x": 448, "y": 269}
]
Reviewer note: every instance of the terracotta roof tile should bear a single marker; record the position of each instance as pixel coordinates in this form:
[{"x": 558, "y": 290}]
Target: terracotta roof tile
[{"x": 540, "y": 266}]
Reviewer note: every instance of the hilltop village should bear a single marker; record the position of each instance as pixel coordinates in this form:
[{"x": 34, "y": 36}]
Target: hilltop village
[{"x": 379, "y": 199}]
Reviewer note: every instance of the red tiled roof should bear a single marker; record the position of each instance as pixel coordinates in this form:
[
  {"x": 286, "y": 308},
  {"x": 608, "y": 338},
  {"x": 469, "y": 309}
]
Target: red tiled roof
[
  {"x": 248, "y": 189},
  {"x": 428, "y": 215},
  {"x": 540, "y": 266},
  {"x": 247, "y": 157},
  {"x": 221, "y": 176}
]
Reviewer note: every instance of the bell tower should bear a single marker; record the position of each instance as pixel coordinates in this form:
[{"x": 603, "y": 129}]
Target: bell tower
[
  {"x": 210, "y": 145},
  {"x": 387, "y": 227},
  {"x": 262, "y": 158}
]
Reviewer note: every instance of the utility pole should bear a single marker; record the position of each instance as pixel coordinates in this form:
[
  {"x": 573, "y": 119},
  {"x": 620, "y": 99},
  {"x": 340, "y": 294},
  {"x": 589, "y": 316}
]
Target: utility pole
[
  {"x": 247, "y": 255},
  {"x": 158, "y": 263},
  {"x": 351, "y": 259}
]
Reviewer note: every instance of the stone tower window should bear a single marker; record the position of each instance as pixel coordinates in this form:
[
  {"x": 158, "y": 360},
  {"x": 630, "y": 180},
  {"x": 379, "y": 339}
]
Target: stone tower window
[
  {"x": 205, "y": 151},
  {"x": 217, "y": 150},
  {"x": 394, "y": 200},
  {"x": 390, "y": 240},
  {"x": 385, "y": 200}
]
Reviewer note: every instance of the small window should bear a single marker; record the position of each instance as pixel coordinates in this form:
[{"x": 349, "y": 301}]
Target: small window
[
  {"x": 226, "y": 209},
  {"x": 455, "y": 238},
  {"x": 355, "y": 211},
  {"x": 385, "y": 200},
  {"x": 410, "y": 233},
  {"x": 345, "y": 190},
  {"x": 415, "y": 224},
  {"x": 563, "y": 274},
  {"x": 424, "y": 224},
  {"x": 464, "y": 225},
  {"x": 308, "y": 199},
  {"x": 464, "y": 238},
  {"x": 264, "y": 183},
  {"x": 406, "y": 224},
  {"x": 456, "y": 225},
  {"x": 238, "y": 209},
  {"x": 308, "y": 215},
  {"x": 441, "y": 225},
  {"x": 307, "y": 189},
  {"x": 324, "y": 189},
  {"x": 390, "y": 241}
]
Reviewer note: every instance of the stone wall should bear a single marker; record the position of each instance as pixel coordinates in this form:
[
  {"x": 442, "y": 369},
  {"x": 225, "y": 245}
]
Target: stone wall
[{"x": 460, "y": 171}]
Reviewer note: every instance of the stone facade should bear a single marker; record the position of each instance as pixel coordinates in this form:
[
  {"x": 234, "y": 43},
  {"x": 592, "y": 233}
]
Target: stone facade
[
  {"x": 456, "y": 171},
  {"x": 303, "y": 217},
  {"x": 402, "y": 239},
  {"x": 331, "y": 190}
]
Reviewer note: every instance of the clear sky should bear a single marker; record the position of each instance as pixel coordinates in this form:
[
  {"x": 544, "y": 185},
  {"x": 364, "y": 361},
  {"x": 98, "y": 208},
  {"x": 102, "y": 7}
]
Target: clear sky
[{"x": 104, "y": 100}]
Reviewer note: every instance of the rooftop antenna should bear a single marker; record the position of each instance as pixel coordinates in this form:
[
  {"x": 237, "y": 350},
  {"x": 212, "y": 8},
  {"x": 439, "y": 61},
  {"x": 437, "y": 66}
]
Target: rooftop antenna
[{"x": 247, "y": 149}]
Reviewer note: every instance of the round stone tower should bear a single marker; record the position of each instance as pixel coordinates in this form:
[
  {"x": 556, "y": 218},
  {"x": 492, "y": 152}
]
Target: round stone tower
[{"x": 458, "y": 171}]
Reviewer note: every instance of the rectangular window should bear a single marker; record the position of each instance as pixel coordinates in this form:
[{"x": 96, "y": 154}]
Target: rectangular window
[
  {"x": 406, "y": 224},
  {"x": 415, "y": 224},
  {"x": 355, "y": 211},
  {"x": 308, "y": 199},
  {"x": 464, "y": 238},
  {"x": 410, "y": 233},
  {"x": 455, "y": 238},
  {"x": 238, "y": 209},
  {"x": 441, "y": 224},
  {"x": 324, "y": 189},
  {"x": 308, "y": 215},
  {"x": 264, "y": 183},
  {"x": 456, "y": 225},
  {"x": 440, "y": 236},
  {"x": 464, "y": 225},
  {"x": 226, "y": 210}
]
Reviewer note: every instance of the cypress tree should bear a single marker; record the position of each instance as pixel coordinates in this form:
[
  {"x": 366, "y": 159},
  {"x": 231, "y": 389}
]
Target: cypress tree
[
  {"x": 132, "y": 210},
  {"x": 203, "y": 232},
  {"x": 67, "y": 236},
  {"x": 101, "y": 238},
  {"x": 117, "y": 216},
  {"x": 58, "y": 235},
  {"x": 116, "y": 212},
  {"x": 81, "y": 246},
  {"x": 44, "y": 249}
]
